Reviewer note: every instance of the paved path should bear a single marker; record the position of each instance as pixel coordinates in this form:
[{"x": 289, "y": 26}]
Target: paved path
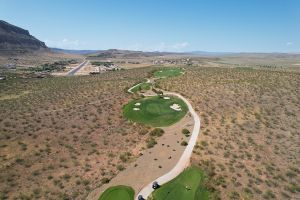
[
  {"x": 129, "y": 90},
  {"x": 76, "y": 69},
  {"x": 184, "y": 160}
]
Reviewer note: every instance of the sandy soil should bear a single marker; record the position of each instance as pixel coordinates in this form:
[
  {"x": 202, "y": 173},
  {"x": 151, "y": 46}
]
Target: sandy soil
[{"x": 153, "y": 162}]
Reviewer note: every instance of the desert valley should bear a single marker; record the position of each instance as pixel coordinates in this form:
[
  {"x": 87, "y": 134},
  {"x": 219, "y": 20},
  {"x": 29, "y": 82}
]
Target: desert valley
[{"x": 158, "y": 125}]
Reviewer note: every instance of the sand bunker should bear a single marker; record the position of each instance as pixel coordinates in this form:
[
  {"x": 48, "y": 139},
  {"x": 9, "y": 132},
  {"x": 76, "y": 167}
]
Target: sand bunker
[
  {"x": 136, "y": 109},
  {"x": 137, "y": 104},
  {"x": 176, "y": 107},
  {"x": 166, "y": 97}
]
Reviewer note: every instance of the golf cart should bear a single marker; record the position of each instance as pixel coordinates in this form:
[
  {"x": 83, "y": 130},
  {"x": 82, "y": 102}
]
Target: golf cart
[{"x": 155, "y": 185}]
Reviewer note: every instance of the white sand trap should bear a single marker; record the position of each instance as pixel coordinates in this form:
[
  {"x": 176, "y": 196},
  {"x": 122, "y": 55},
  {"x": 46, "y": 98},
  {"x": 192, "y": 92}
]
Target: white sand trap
[
  {"x": 137, "y": 104},
  {"x": 160, "y": 71},
  {"x": 166, "y": 97},
  {"x": 176, "y": 107},
  {"x": 136, "y": 109}
]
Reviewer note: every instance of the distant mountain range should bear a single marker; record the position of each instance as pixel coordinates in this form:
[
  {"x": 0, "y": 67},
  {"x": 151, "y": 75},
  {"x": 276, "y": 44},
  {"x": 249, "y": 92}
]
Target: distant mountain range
[
  {"x": 76, "y": 52},
  {"x": 14, "y": 39},
  {"x": 113, "y": 53}
]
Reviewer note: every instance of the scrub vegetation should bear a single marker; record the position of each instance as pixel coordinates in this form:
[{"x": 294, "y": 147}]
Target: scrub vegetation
[
  {"x": 249, "y": 129},
  {"x": 61, "y": 137}
]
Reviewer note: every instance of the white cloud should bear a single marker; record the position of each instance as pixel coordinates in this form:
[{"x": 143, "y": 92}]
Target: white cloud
[
  {"x": 289, "y": 43},
  {"x": 65, "y": 44}
]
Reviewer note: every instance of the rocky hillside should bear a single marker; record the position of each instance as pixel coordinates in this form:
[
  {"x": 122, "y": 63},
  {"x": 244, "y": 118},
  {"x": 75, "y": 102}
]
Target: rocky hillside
[{"x": 14, "y": 39}]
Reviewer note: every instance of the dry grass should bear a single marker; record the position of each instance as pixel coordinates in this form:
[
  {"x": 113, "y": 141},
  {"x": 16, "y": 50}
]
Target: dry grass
[
  {"x": 61, "y": 137},
  {"x": 249, "y": 144}
]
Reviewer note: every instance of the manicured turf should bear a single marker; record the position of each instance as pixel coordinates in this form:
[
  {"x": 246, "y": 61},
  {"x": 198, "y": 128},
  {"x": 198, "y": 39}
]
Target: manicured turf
[
  {"x": 168, "y": 72},
  {"x": 142, "y": 86},
  {"x": 155, "y": 111},
  {"x": 118, "y": 193},
  {"x": 192, "y": 178}
]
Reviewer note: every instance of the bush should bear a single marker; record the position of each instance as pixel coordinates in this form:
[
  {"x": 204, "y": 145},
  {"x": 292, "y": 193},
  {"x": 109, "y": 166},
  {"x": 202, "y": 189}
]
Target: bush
[
  {"x": 204, "y": 143},
  {"x": 157, "y": 132},
  {"x": 125, "y": 156},
  {"x": 185, "y": 131},
  {"x": 120, "y": 167},
  {"x": 184, "y": 143},
  {"x": 234, "y": 195},
  {"x": 269, "y": 195},
  {"x": 151, "y": 142},
  {"x": 105, "y": 180}
]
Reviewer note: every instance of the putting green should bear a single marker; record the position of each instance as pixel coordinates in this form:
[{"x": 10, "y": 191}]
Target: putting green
[
  {"x": 187, "y": 186},
  {"x": 155, "y": 111},
  {"x": 168, "y": 72},
  {"x": 117, "y": 193},
  {"x": 141, "y": 86}
]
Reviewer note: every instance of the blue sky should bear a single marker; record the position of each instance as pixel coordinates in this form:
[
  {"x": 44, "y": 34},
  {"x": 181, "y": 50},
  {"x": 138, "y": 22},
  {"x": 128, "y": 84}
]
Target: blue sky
[{"x": 160, "y": 25}]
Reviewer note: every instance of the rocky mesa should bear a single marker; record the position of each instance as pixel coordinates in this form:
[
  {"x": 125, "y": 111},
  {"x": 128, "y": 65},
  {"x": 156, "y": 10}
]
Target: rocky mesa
[{"x": 14, "y": 39}]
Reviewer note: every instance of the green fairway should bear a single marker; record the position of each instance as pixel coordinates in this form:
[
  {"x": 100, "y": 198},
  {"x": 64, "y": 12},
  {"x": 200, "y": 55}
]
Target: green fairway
[
  {"x": 117, "y": 193},
  {"x": 155, "y": 111},
  {"x": 168, "y": 72},
  {"x": 187, "y": 186},
  {"x": 141, "y": 86}
]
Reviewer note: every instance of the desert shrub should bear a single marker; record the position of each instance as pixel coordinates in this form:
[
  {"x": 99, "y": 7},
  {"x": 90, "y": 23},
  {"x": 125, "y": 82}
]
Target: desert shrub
[
  {"x": 125, "y": 156},
  {"x": 120, "y": 167},
  {"x": 157, "y": 132},
  {"x": 183, "y": 143},
  {"x": 204, "y": 143},
  {"x": 234, "y": 196},
  {"x": 186, "y": 132},
  {"x": 151, "y": 142},
  {"x": 105, "y": 180},
  {"x": 269, "y": 195}
]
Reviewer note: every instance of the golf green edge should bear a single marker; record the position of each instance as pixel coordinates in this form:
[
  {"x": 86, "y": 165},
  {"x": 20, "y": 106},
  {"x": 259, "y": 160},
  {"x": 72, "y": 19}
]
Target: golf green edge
[
  {"x": 168, "y": 72},
  {"x": 141, "y": 86},
  {"x": 189, "y": 185},
  {"x": 155, "y": 111},
  {"x": 119, "y": 192}
]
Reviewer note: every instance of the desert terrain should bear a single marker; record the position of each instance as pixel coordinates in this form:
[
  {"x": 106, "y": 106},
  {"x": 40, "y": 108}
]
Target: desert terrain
[
  {"x": 149, "y": 100},
  {"x": 66, "y": 137},
  {"x": 250, "y": 129}
]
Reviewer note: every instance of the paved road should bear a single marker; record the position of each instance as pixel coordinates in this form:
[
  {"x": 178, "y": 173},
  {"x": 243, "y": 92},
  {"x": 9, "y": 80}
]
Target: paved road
[
  {"x": 184, "y": 160},
  {"x": 76, "y": 69}
]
